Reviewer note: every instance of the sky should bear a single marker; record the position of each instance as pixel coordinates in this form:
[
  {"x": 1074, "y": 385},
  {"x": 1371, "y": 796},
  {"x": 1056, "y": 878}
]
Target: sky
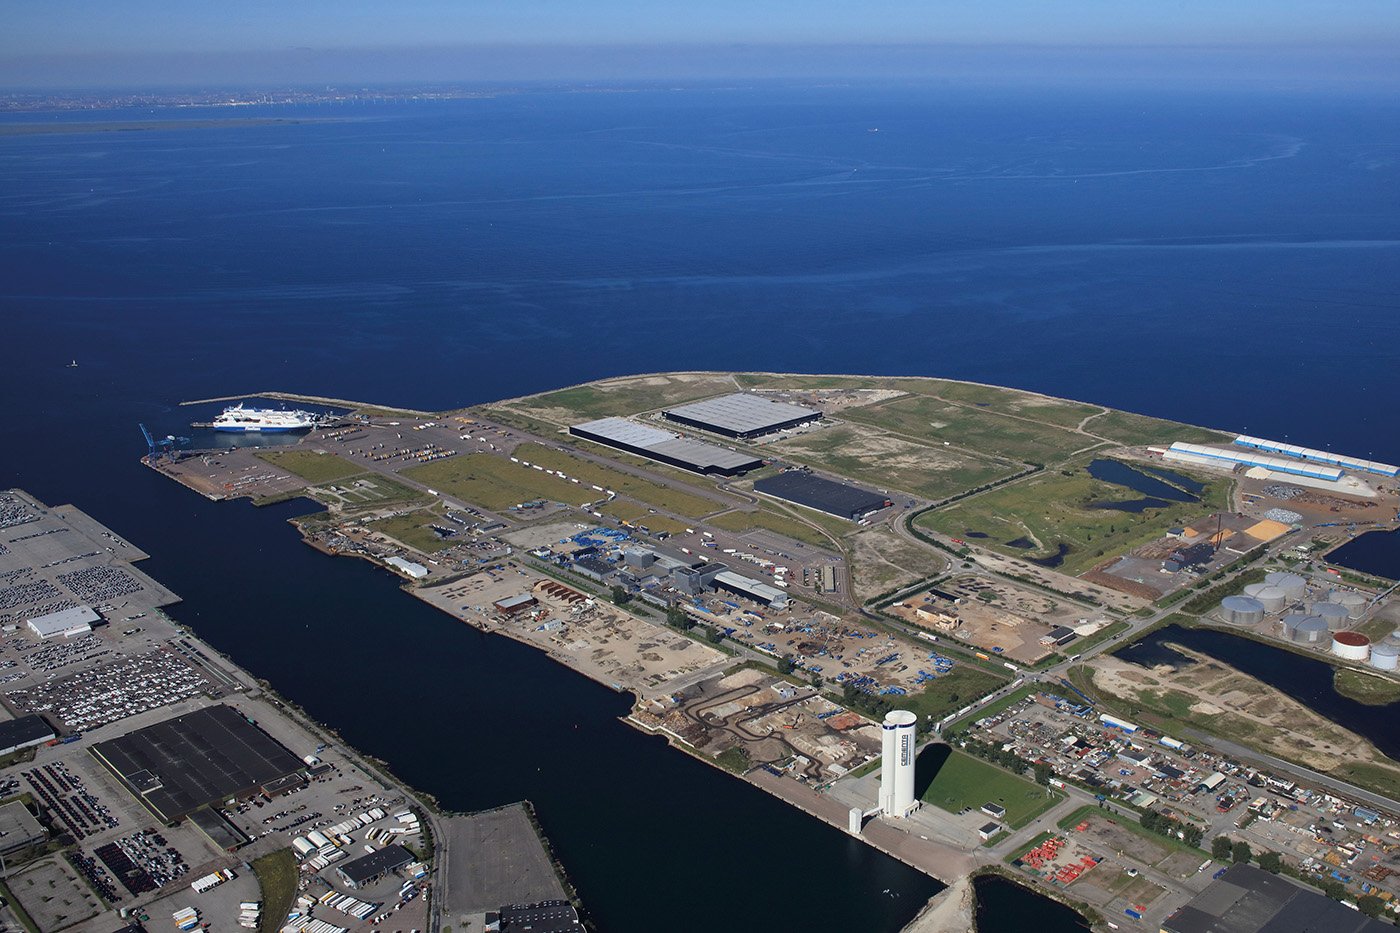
[{"x": 59, "y": 42}]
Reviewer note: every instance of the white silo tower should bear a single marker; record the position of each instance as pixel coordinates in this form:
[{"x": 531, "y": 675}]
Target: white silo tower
[{"x": 898, "y": 740}]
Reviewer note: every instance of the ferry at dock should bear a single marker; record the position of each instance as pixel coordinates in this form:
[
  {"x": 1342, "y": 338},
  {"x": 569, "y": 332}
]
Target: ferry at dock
[{"x": 239, "y": 419}]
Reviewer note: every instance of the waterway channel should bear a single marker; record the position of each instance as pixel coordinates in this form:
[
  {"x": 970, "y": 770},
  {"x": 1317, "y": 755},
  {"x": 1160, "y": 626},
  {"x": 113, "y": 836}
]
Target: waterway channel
[
  {"x": 1307, "y": 680},
  {"x": 1375, "y": 552}
]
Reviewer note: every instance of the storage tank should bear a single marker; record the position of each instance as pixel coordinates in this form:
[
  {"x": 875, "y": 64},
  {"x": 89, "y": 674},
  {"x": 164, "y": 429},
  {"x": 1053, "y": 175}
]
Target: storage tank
[
  {"x": 1335, "y": 615},
  {"x": 1241, "y": 610},
  {"x": 1293, "y": 586},
  {"x": 1309, "y": 630},
  {"x": 898, "y": 740},
  {"x": 1385, "y": 656},
  {"x": 1272, "y": 597},
  {"x": 1353, "y": 603},
  {"x": 1353, "y": 646}
]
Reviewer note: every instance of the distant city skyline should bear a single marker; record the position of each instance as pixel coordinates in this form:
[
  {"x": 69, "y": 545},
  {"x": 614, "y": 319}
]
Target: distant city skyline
[{"x": 89, "y": 42}]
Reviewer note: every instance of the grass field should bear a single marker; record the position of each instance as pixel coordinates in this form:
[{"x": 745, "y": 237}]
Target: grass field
[
  {"x": 1129, "y": 822},
  {"x": 370, "y": 490},
  {"x": 495, "y": 483},
  {"x": 1371, "y": 689},
  {"x": 877, "y": 458},
  {"x": 991, "y": 709},
  {"x": 309, "y": 465},
  {"x": 960, "y": 686},
  {"x": 277, "y": 876},
  {"x": 964, "y": 781},
  {"x": 640, "y": 515},
  {"x": 1025, "y": 438},
  {"x": 882, "y": 560},
  {"x": 1133, "y": 430},
  {"x": 1050, "y": 508},
  {"x": 412, "y": 529},
  {"x": 662, "y": 497},
  {"x": 774, "y": 522},
  {"x": 625, "y": 396}
]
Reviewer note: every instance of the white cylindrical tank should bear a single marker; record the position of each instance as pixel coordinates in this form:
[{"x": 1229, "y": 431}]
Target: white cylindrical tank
[
  {"x": 1351, "y": 645},
  {"x": 1273, "y": 598},
  {"x": 1307, "y": 630},
  {"x": 1241, "y": 610},
  {"x": 1385, "y": 656},
  {"x": 1353, "y": 603},
  {"x": 897, "y": 741},
  {"x": 1335, "y": 615},
  {"x": 1293, "y": 586}
]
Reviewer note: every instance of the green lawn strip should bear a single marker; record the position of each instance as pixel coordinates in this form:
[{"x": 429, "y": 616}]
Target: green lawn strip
[
  {"x": 947, "y": 692},
  {"x": 495, "y": 483},
  {"x": 784, "y": 525},
  {"x": 636, "y": 514},
  {"x": 965, "y": 781},
  {"x": 992, "y": 709},
  {"x": 595, "y": 474},
  {"x": 1052, "y": 508},
  {"x": 630, "y": 395},
  {"x": 311, "y": 465},
  {"x": 412, "y": 529},
  {"x": 1133, "y": 430},
  {"x": 277, "y": 876},
  {"x": 980, "y": 429},
  {"x": 1099, "y": 637}
]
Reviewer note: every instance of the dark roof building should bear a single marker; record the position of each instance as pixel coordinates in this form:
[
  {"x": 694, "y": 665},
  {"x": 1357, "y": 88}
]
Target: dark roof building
[
  {"x": 24, "y": 732},
  {"x": 1250, "y": 900},
  {"x": 665, "y": 447},
  {"x": 544, "y": 917},
  {"x": 368, "y": 869},
  {"x": 208, "y": 756},
  {"x": 742, "y": 415},
  {"x": 840, "y": 499}
]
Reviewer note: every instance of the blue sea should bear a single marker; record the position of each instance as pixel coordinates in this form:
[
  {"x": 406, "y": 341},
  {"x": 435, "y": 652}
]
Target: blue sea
[{"x": 1225, "y": 258}]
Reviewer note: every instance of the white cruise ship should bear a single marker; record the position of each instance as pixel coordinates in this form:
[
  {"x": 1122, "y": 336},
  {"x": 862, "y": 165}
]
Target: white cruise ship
[{"x": 268, "y": 420}]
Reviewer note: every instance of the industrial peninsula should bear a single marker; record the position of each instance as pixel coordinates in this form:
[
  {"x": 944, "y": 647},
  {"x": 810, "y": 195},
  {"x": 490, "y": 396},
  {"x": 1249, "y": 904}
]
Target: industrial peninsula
[{"x": 974, "y": 627}]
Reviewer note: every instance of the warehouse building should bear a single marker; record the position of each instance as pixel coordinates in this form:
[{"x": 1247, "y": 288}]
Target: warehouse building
[
  {"x": 840, "y": 499},
  {"x": 730, "y": 582},
  {"x": 1218, "y": 456},
  {"x": 24, "y": 732},
  {"x": 554, "y": 916},
  {"x": 1250, "y": 900},
  {"x": 665, "y": 447},
  {"x": 1318, "y": 456},
  {"x": 367, "y": 869},
  {"x": 742, "y": 415},
  {"x": 206, "y": 757},
  {"x": 66, "y": 623},
  {"x": 19, "y": 829}
]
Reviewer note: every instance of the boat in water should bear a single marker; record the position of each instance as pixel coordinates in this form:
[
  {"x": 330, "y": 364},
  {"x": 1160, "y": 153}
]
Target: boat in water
[{"x": 268, "y": 420}]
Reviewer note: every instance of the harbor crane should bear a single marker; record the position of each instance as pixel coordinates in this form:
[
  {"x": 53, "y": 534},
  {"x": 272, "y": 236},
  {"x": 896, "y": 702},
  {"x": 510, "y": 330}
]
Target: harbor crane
[{"x": 164, "y": 446}]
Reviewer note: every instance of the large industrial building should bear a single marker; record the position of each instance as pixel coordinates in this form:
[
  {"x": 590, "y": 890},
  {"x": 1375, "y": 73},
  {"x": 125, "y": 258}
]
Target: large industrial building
[
  {"x": 665, "y": 447},
  {"x": 205, "y": 757},
  {"x": 730, "y": 582},
  {"x": 1219, "y": 456},
  {"x": 840, "y": 499},
  {"x": 742, "y": 415},
  {"x": 65, "y": 623},
  {"x": 1318, "y": 456},
  {"x": 24, "y": 732},
  {"x": 1250, "y": 900}
]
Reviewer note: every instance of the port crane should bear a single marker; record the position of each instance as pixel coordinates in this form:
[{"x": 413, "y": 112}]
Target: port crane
[{"x": 164, "y": 446}]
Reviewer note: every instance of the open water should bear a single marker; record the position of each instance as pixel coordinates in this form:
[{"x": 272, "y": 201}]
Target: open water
[{"x": 1227, "y": 259}]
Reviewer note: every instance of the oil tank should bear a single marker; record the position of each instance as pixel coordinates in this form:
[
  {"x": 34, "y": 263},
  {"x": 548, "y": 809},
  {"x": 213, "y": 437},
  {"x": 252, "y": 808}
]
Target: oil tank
[
  {"x": 1293, "y": 586},
  {"x": 1385, "y": 657},
  {"x": 1335, "y": 615},
  {"x": 1354, "y": 603},
  {"x": 1308, "y": 630},
  {"x": 1272, "y": 597},
  {"x": 1352, "y": 646},
  {"x": 1241, "y": 610}
]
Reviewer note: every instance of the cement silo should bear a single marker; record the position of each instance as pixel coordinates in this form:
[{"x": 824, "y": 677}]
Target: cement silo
[
  {"x": 1273, "y": 598},
  {"x": 1353, "y": 603},
  {"x": 1241, "y": 610},
  {"x": 1293, "y": 586},
  {"x": 1385, "y": 656},
  {"x": 897, "y": 763},
  {"x": 1335, "y": 615},
  {"x": 1353, "y": 646},
  {"x": 1305, "y": 630}
]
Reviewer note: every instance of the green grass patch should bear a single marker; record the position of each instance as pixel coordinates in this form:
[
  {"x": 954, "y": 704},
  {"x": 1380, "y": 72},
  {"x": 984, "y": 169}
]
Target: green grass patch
[
  {"x": 628, "y": 395},
  {"x": 277, "y": 876},
  {"x": 495, "y": 483},
  {"x": 636, "y": 487},
  {"x": 733, "y": 759},
  {"x": 1132, "y": 430},
  {"x": 412, "y": 529},
  {"x": 368, "y": 491},
  {"x": 1052, "y": 508},
  {"x": 784, "y": 525},
  {"x": 991, "y": 709},
  {"x": 1026, "y": 438},
  {"x": 1128, "y": 821},
  {"x": 873, "y": 457},
  {"x": 637, "y": 514},
  {"x": 1376, "y": 629},
  {"x": 311, "y": 465},
  {"x": 957, "y": 688},
  {"x": 964, "y": 781},
  {"x": 1102, "y": 635},
  {"x": 1371, "y": 689}
]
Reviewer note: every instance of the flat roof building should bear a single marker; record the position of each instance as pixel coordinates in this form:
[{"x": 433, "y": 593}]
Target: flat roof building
[
  {"x": 740, "y": 585},
  {"x": 368, "y": 869},
  {"x": 18, "y": 828},
  {"x": 65, "y": 623},
  {"x": 665, "y": 447},
  {"x": 554, "y": 916},
  {"x": 840, "y": 499},
  {"x": 742, "y": 415},
  {"x": 513, "y": 604},
  {"x": 1250, "y": 900},
  {"x": 407, "y": 567},
  {"x": 205, "y": 757},
  {"x": 24, "y": 732}
]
